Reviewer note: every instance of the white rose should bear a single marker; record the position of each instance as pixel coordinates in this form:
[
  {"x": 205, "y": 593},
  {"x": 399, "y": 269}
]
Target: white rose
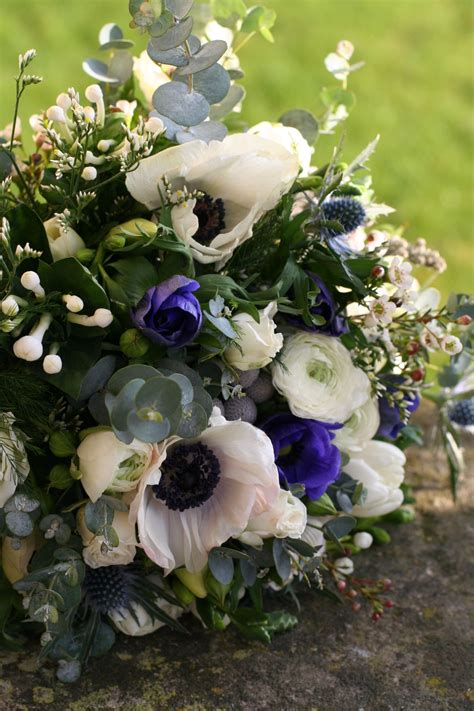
[
  {"x": 139, "y": 622},
  {"x": 359, "y": 429},
  {"x": 149, "y": 75},
  {"x": 242, "y": 177},
  {"x": 107, "y": 464},
  {"x": 288, "y": 137},
  {"x": 63, "y": 242},
  {"x": 14, "y": 466},
  {"x": 317, "y": 377},
  {"x": 286, "y": 519},
  {"x": 257, "y": 343},
  {"x": 379, "y": 466},
  {"x": 123, "y": 554}
]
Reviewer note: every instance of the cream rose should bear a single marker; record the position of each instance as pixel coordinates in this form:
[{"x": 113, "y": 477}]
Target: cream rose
[
  {"x": 93, "y": 553},
  {"x": 107, "y": 464},
  {"x": 379, "y": 466},
  {"x": 241, "y": 178},
  {"x": 257, "y": 343},
  {"x": 318, "y": 378},
  {"x": 63, "y": 241},
  {"x": 286, "y": 519}
]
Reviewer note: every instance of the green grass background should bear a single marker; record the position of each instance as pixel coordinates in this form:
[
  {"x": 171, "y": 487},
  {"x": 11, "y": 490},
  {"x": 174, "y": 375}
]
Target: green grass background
[{"x": 416, "y": 90}]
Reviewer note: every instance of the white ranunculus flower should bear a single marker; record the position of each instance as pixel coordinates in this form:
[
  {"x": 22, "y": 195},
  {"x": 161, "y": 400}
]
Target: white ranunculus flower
[
  {"x": 123, "y": 554},
  {"x": 359, "y": 429},
  {"x": 202, "y": 492},
  {"x": 242, "y": 177},
  {"x": 141, "y": 622},
  {"x": 379, "y": 466},
  {"x": 286, "y": 519},
  {"x": 63, "y": 242},
  {"x": 318, "y": 378},
  {"x": 290, "y": 138},
  {"x": 107, "y": 464},
  {"x": 257, "y": 343},
  {"x": 14, "y": 466},
  {"x": 149, "y": 75}
]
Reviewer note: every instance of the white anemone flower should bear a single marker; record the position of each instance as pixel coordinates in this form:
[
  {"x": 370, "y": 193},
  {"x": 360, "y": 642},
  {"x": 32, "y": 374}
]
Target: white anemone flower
[
  {"x": 317, "y": 377},
  {"x": 290, "y": 138},
  {"x": 241, "y": 178},
  {"x": 203, "y": 492}
]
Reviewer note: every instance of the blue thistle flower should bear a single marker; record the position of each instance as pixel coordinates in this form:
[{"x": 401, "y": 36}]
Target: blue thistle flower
[
  {"x": 110, "y": 587},
  {"x": 463, "y": 413},
  {"x": 348, "y": 212}
]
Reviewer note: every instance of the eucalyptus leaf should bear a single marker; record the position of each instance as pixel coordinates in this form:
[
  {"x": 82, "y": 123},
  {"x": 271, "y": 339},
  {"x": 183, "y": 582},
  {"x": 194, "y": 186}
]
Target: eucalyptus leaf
[
  {"x": 123, "y": 403},
  {"x": 176, "y": 57},
  {"x": 339, "y": 527},
  {"x": 249, "y": 572},
  {"x": 161, "y": 394},
  {"x": 179, "y": 8},
  {"x": 161, "y": 25},
  {"x": 213, "y": 83},
  {"x": 97, "y": 376},
  {"x": 205, "y": 131},
  {"x": 304, "y": 121},
  {"x": 19, "y": 523},
  {"x": 208, "y": 55},
  {"x": 235, "y": 95},
  {"x": 281, "y": 558},
  {"x": 193, "y": 421},
  {"x": 130, "y": 372},
  {"x": 221, "y": 566},
  {"x": 147, "y": 431},
  {"x": 176, "y": 35},
  {"x": 99, "y": 70},
  {"x": 187, "y": 108}
]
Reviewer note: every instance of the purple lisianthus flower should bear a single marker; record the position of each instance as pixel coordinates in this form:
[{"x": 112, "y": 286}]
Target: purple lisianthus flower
[
  {"x": 169, "y": 314},
  {"x": 324, "y": 306},
  {"x": 304, "y": 453},
  {"x": 391, "y": 423}
]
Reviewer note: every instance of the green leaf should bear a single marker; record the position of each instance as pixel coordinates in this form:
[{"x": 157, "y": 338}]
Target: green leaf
[
  {"x": 339, "y": 527},
  {"x": 259, "y": 19},
  {"x": 281, "y": 621},
  {"x": 224, "y": 9},
  {"x": 281, "y": 558},
  {"x": 97, "y": 516},
  {"x": 26, "y": 226},
  {"x": 322, "y": 507},
  {"x": 304, "y": 121},
  {"x": 135, "y": 276},
  {"x": 176, "y": 34}
]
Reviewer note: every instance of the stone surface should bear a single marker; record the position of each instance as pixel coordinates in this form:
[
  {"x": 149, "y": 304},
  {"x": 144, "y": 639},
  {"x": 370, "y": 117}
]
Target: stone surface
[{"x": 417, "y": 658}]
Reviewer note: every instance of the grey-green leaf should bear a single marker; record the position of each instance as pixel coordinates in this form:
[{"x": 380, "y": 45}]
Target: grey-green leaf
[
  {"x": 98, "y": 70},
  {"x": 19, "y": 523},
  {"x": 208, "y": 55},
  {"x": 175, "y": 101},
  {"x": 146, "y": 430},
  {"x": 235, "y": 95},
  {"x": 177, "y": 56},
  {"x": 205, "y": 131},
  {"x": 304, "y": 121},
  {"x": 176, "y": 35},
  {"x": 213, "y": 83},
  {"x": 179, "y": 8}
]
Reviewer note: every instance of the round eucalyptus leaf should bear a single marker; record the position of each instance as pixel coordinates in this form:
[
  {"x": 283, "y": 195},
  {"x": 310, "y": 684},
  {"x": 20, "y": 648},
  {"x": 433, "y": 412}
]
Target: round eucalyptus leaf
[
  {"x": 236, "y": 74},
  {"x": 177, "y": 34},
  {"x": 98, "y": 409},
  {"x": 213, "y": 83},
  {"x": 99, "y": 70},
  {"x": 206, "y": 131},
  {"x": 221, "y": 567},
  {"x": 304, "y": 121},
  {"x": 124, "y": 402},
  {"x": 121, "y": 65},
  {"x": 177, "y": 56},
  {"x": 110, "y": 32},
  {"x": 97, "y": 376},
  {"x": 179, "y": 8},
  {"x": 193, "y": 421},
  {"x": 130, "y": 372},
  {"x": 19, "y": 523},
  {"x": 161, "y": 25},
  {"x": 187, "y": 390},
  {"x": 116, "y": 44},
  {"x": 234, "y": 97},
  {"x": 146, "y": 430},
  {"x": 170, "y": 126},
  {"x": 208, "y": 55},
  {"x": 187, "y": 108},
  {"x": 202, "y": 397},
  {"x": 68, "y": 671},
  {"x": 161, "y": 394}
]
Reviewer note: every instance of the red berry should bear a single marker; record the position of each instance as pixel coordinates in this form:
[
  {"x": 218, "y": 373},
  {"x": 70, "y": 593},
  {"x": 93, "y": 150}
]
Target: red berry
[
  {"x": 464, "y": 320},
  {"x": 376, "y": 616},
  {"x": 352, "y": 593},
  {"x": 413, "y": 347},
  {"x": 341, "y": 585},
  {"x": 356, "y": 606},
  {"x": 417, "y": 374},
  {"x": 388, "y": 604},
  {"x": 377, "y": 272}
]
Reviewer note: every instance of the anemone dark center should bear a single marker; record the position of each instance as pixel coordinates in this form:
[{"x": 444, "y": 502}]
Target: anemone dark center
[
  {"x": 189, "y": 475},
  {"x": 109, "y": 587},
  {"x": 210, "y": 214}
]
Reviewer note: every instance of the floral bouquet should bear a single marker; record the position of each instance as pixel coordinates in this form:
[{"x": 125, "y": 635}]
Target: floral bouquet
[{"x": 210, "y": 349}]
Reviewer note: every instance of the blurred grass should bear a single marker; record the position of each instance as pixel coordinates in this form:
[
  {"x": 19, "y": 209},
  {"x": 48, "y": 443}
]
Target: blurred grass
[{"x": 416, "y": 90}]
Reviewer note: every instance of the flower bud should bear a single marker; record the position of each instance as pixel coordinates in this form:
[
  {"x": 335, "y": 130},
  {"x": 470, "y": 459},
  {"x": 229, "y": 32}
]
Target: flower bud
[
  {"x": 113, "y": 243},
  {"x": 133, "y": 344},
  {"x": 193, "y": 581},
  {"x": 138, "y": 227},
  {"x": 89, "y": 173},
  {"x": 363, "y": 540},
  {"x": 184, "y": 595},
  {"x": 464, "y": 320},
  {"x": 86, "y": 255},
  {"x": 345, "y": 566}
]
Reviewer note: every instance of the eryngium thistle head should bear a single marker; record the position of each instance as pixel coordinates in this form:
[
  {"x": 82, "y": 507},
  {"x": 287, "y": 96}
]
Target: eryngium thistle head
[
  {"x": 241, "y": 408},
  {"x": 109, "y": 587},
  {"x": 463, "y": 413},
  {"x": 348, "y": 212}
]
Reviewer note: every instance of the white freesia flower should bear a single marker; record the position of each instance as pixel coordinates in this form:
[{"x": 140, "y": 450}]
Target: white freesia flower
[
  {"x": 138, "y": 622},
  {"x": 257, "y": 343},
  {"x": 149, "y": 75},
  {"x": 285, "y": 519},
  {"x": 241, "y": 177},
  {"x": 203, "y": 492},
  {"x": 63, "y": 241},
  {"x": 290, "y": 138},
  {"x": 379, "y": 466},
  {"x": 14, "y": 466},
  {"x": 318, "y": 378},
  {"x": 359, "y": 429},
  {"x": 95, "y": 554},
  {"x": 107, "y": 464}
]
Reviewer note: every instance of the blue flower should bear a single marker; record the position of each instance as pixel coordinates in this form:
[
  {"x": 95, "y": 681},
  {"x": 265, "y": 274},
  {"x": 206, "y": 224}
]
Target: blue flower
[
  {"x": 391, "y": 423},
  {"x": 347, "y": 211},
  {"x": 304, "y": 452},
  {"x": 169, "y": 314},
  {"x": 324, "y": 306}
]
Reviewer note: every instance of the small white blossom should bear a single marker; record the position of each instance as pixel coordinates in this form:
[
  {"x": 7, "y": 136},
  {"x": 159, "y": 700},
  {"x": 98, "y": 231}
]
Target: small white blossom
[
  {"x": 451, "y": 344},
  {"x": 399, "y": 273},
  {"x": 381, "y": 312}
]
